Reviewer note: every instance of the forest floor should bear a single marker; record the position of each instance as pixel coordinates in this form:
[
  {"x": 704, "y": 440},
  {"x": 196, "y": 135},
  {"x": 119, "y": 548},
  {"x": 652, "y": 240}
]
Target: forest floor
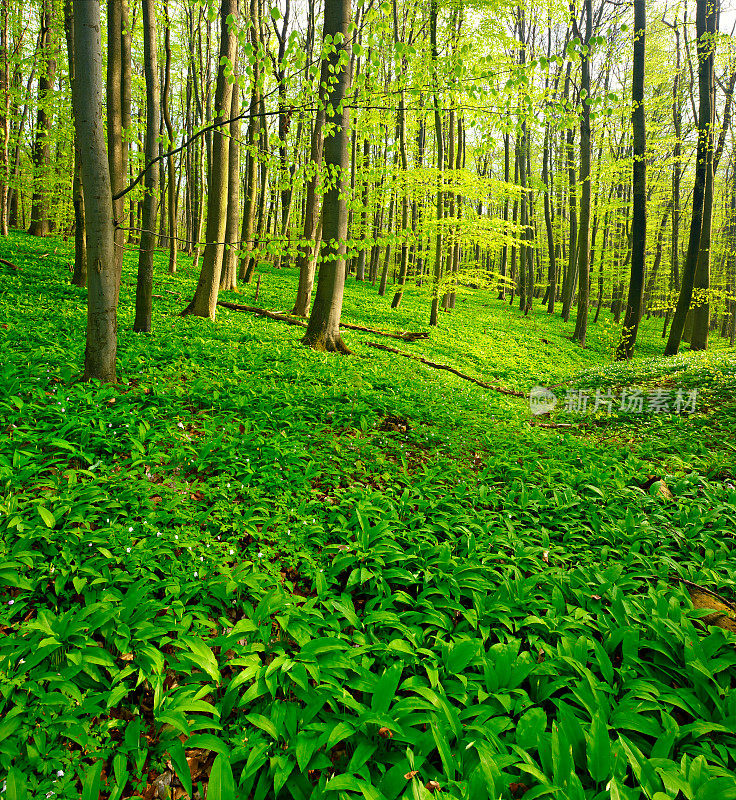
[{"x": 275, "y": 572}]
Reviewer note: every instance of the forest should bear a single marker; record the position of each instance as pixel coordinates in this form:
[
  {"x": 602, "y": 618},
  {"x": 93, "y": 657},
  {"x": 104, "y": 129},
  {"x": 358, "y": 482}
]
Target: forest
[{"x": 367, "y": 399}]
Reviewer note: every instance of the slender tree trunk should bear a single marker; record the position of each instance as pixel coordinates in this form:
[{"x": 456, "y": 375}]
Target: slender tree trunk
[
  {"x": 505, "y": 248},
  {"x": 581, "y": 321},
  {"x": 433, "y": 317},
  {"x": 634, "y": 305},
  {"x": 173, "y": 185},
  {"x": 100, "y": 352},
  {"x": 652, "y": 279},
  {"x": 229, "y": 276},
  {"x": 144, "y": 285},
  {"x": 40, "y": 221},
  {"x": 389, "y": 250},
  {"x": 79, "y": 277},
  {"x": 4, "y": 120},
  {"x": 362, "y": 256},
  {"x": 118, "y": 167},
  {"x": 551, "y": 266},
  {"x": 701, "y": 283},
  {"x": 404, "y": 263},
  {"x": 568, "y": 283},
  {"x": 705, "y": 83},
  {"x": 323, "y": 329},
  {"x": 204, "y": 303},
  {"x": 310, "y": 245},
  {"x": 250, "y": 210}
]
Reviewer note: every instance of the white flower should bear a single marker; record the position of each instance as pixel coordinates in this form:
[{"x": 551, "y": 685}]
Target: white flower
[
  {"x": 232, "y": 552},
  {"x": 127, "y": 549},
  {"x": 260, "y": 555},
  {"x": 130, "y": 530},
  {"x": 59, "y": 773},
  {"x": 196, "y": 575},
  {"x": 158, "y": 533},
  {"x": 175, "y": 536},
  {"x": 201, "y": 558},
  {"x": 10, "y": 602}
]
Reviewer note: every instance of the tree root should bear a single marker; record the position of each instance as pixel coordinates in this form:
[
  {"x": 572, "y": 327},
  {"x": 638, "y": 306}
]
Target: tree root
[
  {"x": 406, "y": 336},
  {"x": 483, "y": 384}
]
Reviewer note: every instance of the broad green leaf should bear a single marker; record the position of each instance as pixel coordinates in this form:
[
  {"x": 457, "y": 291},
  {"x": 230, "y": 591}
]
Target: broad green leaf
[{"x": 221, "y": 785}]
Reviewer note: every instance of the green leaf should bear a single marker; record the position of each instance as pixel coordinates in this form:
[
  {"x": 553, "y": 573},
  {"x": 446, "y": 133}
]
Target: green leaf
[
  {"x": 181, "y": 767},
  {"x": 91, "y": 785},
  {"x": 530, "y": 727},
  {"x": 47, "y": 517},
  {"x": 599, "y": 750},
  {"x": 205, "y": 657},
  {"x": 207, "y": 741},
  {"x": 385, "y": 689},
  {"x": 264, "y": 723},
  {"x": 721, "y": 788},
  {"x": 16, "y": 785},
  {"x": 222, "y": 783}
]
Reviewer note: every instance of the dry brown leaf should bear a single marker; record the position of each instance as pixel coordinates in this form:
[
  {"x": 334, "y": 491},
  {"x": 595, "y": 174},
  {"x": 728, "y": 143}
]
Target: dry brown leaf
[
  {"x": 410, "y": 775},
  {"x": 664, "y": 490},
  {"x": 724, "y": 615},
  {"x": 385, "y": 733},
  {"x": 432, "y": 786}
]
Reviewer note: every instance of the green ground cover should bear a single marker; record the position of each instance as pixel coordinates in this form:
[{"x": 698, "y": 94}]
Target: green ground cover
[{"x": 353, "y": 577}]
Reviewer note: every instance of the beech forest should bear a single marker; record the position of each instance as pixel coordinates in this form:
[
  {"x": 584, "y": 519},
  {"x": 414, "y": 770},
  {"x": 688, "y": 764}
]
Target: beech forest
[{"x": 367, "y": 399}]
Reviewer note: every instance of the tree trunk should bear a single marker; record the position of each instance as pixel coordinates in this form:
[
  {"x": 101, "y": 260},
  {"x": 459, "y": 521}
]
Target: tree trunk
[
  {"x": 705, "y": 83},
  {"x": 634, "y": 305},
  {"x": 568, "y": 283},
  {"x": 310, "y": 245},
  {"x": 229, "y": 276},
  {"x": 204, "y": 303},
  {"x": 250, "y": 211},
  {"x": 583, "y": 260},
  {"x": 40, "y": 223},
  {"x": 433, "y": 317},
  {"x": 4, "y": 120},
  {"x": 144, "y": 285},
  {"x": 79, "y": 277},
  {"x": 362, "y": 256},
  {"x": 389, "y": 249},
  {"x": 173, "y": 185},
  {"x": 323, "y": 329},
  {"x": 404, "y": 263},
  {"x": 116, "y": 152},
  {"x": 100, "y": 352},
  {"x": 505, "y": 248}
]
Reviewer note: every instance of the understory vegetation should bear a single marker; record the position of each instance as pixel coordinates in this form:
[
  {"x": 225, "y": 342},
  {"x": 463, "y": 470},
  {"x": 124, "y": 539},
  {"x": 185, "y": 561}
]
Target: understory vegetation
[{"x": 257, "y": 569}]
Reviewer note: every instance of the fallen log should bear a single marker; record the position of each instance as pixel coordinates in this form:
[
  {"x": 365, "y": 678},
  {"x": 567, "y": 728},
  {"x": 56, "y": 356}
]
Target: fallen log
[
  {"x": 406, "y": 336},
  {"x": 10, "y": 264},
  {"x": 262, "y": 312},
  {"x": 483, "y": 384}
]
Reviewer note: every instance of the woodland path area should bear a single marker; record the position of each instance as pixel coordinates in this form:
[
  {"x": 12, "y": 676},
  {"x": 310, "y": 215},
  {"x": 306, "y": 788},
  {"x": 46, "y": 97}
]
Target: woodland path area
[{"x": 256, "y": 569}]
